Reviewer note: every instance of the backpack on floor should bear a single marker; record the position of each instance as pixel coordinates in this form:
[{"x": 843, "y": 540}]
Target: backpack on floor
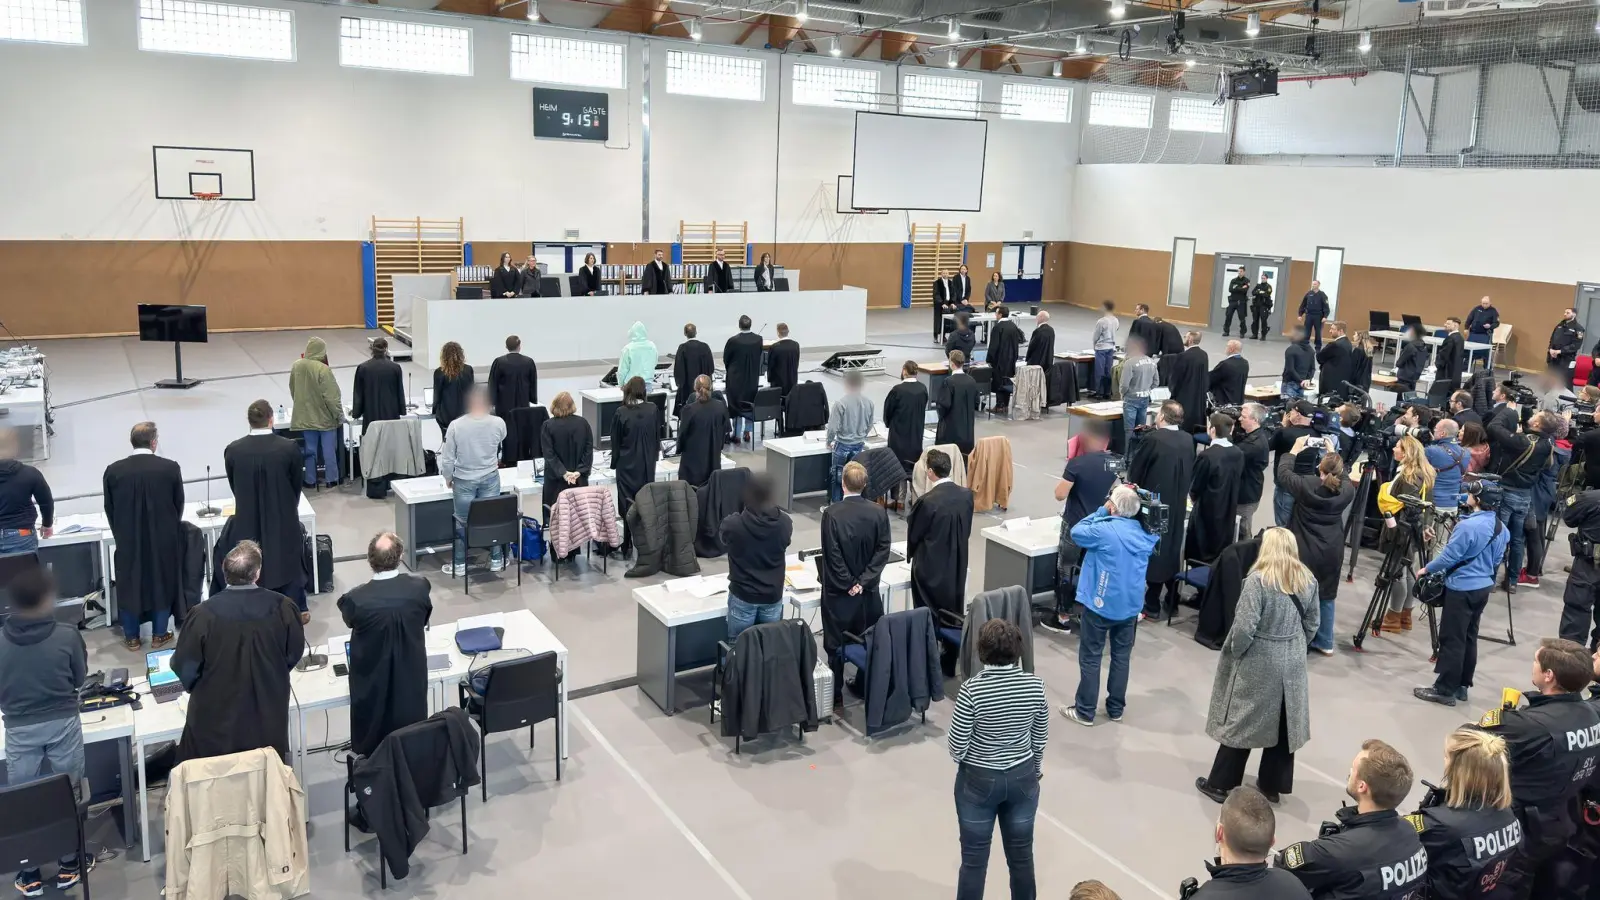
[{"x": 532, "y": 540}]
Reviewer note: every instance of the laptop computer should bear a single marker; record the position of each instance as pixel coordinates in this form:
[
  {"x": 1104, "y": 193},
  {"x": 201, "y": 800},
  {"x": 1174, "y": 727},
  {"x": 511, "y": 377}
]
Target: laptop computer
[{"x": 164, "y": 683}]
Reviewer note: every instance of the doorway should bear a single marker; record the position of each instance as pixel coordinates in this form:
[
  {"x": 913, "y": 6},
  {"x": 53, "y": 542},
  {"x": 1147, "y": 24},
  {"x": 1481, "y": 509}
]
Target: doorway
[
  {"x": 1274, "y": 268},
  {"x": 1587, "y": 306}
]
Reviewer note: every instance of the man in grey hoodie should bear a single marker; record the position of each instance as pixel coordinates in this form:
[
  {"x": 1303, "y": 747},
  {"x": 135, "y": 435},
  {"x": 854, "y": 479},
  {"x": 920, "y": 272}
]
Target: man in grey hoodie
[{"x": 42, "y": 665}]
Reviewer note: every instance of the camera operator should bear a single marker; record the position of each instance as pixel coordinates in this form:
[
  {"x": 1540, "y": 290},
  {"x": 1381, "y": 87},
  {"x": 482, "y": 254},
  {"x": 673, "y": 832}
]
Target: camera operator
[
  {"x": 1565, "y": 340},
  {"x": 1468, "y": 828},
  {"x": 1296, "y": 425},
  {"x": 1085, "y": 485},
  {"x": 1116, "y": 548},
  {"x": 1461, "y": 409},
  {"x": 1550, "y": 744},
  {"x": 1523, "y": 458},
  {"x": 1370, "y": 853},
  {"x": 1580, "y": 619},
  {"x": 1450, "y": 463},
  {"x": 1246, "y": 828},
  {"x": 1336, "y": 363},
  {"x": 1412, "y": 360},
  {"x": 1251, "y": 439},
  {"x": 1299, "y": 364},
  {"x": 1319, "y": 499},
  {"x": 1468, "y": 563}
]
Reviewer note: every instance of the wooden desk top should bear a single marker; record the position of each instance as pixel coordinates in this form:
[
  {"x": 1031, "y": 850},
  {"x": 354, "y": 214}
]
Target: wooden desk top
[
  {"x": 1108, "y": 410},
  {"x": 1261, "y": 392},
  {"x": 1379, "y": 378},
  {"x": 933, "y": 368}
]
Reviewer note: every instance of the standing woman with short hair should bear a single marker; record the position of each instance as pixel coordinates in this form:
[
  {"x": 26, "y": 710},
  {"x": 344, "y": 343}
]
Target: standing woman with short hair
[
  {"x": 452, "y": 382},
  {"x": 567, "y": 443},
  {"x": 997, "y": 737},
  {"x": 1475, "y": 812}
]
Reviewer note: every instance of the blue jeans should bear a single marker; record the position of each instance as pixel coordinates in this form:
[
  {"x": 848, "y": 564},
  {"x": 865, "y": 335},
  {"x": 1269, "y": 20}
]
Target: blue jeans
[
  {"x": 1133, "y": 413},
  {"x": 984, "y": 796},
  {"x": 1514, "y": 505},
  {"x": 743, "y": 427},
  {"x": 1282, "y": 507},
  {"x": 462, "y": 492},
  {"x": 1103, "y": 361},
  {"x": 15, "y": 540},
  {"x": 130, "y": 623},
  {"x": 1292, "y": 390},
  {"x": 842, "y": 454},
  {"x": 1324, "y": 638},
  {"x": 742, "y": 615},
  {"x": 327, "y": 441},
  {"x": 28, "y": 747},
  {"x": 1097, "y": 629}
]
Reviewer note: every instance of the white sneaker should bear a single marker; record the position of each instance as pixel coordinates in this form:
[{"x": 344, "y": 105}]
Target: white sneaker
[
  {"x": 1071, "y": 712},
  {"x": 452, "y": 570},
  {"x": 495, "y": 566}
]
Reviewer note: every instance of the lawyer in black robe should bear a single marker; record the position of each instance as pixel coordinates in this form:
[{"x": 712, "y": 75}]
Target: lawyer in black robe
[
  {"x": 1163, "y": 463},
  {"x": 1228, "y": 381},
  {"x": 513, "y": 383},
  {"x": 958, "y": 411},
  {"x": 1042, "y": 346},
  {"x": 568, "y": 445},
  {"x": 379, "y": 392},
  {"x": 1005, "y": 345},
  {"x": 1191, "y": 375},
  {"x": 905, "y": 412},
  {"x": 783, "y": 365},
  {"x": 1167, "y": 339},
  {"x": 265, "y": 471},
  {"x": 233, "y": 656},
  {"x": 741, "y": 360},
  {"x": 635, "y": 449},
  {"x": 1144, "y": 329},
  {"x": 388, "y": 621},
  {"x": 1336, "y": 366},
  {"x": 855, "y": 548},
  {"x": 1218, "y": 472},
  {"x": 656, "y": 278},
  {"x": 691, "y": 360},
  {"x": 144, "y": 504},
  {"x": 702, "y": 431},
  {"x": 450, "y": 396},
  {"x": 937, "y": 535}
]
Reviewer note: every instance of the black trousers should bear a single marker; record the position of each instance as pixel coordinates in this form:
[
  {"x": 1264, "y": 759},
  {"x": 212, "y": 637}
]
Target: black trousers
[
  {"x": 1458, "y": 639},
  {"x": 1234, "y": 309},
  {"x": 1533, "y": 542},
  {"x": 1276, "y": 774},
  {"x": 1152, "y": 597},
  {"x": 1258, "y": 321},
  {"x": 1579, "y": 621}
]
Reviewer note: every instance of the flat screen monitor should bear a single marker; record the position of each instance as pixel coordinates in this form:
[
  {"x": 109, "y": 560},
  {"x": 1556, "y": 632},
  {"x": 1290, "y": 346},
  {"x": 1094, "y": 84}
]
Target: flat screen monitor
[
  {"x": 158, "y": 668},
  {"x": 169, "y": 323},
  {"x": 1408, "y": 321}
]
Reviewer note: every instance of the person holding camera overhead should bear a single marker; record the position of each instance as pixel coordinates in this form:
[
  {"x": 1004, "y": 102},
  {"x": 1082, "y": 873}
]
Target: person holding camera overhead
[
  {"x": 1523, "y": 458},
  {"x": 1468, "y": 827},
  {"x": 1320, "y": 495},
  {"x": 1467, "y": 565},
  {"x": 1246, "y": 829}
]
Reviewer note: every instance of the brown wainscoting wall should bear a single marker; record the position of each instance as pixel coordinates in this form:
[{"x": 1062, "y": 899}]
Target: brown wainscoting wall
[
  {"x": 978, "y": 268},
  {"x": 487, "y": 253},
  {"x": 636, "y": 254},
  {"x": 826, "y": 267},
  {"x": 1096, "y": 272},
  {"x": 243, "y": 284},
  {"x": 1054, "y": 289}
]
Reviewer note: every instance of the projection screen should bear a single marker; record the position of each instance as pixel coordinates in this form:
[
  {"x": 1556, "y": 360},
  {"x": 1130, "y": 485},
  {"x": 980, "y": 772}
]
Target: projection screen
[{"x": 919, "y": 162}]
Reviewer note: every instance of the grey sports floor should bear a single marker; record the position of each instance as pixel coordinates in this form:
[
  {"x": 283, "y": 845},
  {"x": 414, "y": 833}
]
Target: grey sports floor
[{"x": 661, "y": 807}]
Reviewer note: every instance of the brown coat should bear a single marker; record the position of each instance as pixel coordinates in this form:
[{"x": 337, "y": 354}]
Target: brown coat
[
  {"x": 243, "y": 819},
  {"x": 989, "y": 474}
]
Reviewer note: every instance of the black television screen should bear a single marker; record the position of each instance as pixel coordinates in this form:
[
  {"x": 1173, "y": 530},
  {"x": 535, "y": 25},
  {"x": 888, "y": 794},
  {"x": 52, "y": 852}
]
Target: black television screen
[{"x": 168, "y": 323}]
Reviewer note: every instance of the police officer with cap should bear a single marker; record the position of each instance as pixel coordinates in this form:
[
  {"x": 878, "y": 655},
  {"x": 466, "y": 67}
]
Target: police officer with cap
[
  {"x": 1238, "y": 288},
  {"x": 1553, "y": 742},
  {"x": 1371, "y": 852},
  {"x": 1580, "y": 621},
  {"x": 1245, "y": 831},
  {"x": 1469, "y": 830}
]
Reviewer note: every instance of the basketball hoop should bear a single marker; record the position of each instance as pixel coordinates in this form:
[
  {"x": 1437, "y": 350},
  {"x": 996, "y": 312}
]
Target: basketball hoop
[{"x": 206, "y": 196}]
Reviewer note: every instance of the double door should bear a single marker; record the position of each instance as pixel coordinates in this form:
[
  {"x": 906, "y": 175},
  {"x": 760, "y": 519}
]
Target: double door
[{"x": 1274, "y": 268}]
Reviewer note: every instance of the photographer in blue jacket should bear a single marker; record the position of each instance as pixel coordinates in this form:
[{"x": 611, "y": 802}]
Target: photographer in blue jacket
[
  {"x": 1116, "y": 549},
  {"x": 1468, "y": 562}
]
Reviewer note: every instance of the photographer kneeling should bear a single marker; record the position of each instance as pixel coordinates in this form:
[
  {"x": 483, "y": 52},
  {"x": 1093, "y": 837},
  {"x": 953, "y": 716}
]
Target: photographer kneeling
[
  {"x": 1522, "y": 459},
  {"x": 1467, "y": 563}
]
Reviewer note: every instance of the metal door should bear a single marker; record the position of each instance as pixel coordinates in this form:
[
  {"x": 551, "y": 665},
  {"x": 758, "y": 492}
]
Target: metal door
[
  {"x": 1587, "y": 306},
  {"x": 1276, "y": 268}
]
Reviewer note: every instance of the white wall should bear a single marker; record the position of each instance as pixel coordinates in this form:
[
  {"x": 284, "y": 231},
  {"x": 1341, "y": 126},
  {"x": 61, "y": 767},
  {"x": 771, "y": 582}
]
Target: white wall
[
  {"x": 1491, "y": 222},
  {"x": 335, "y": 146},
  {"x": 1331, "y": 116},
  {"x": 1156, "y": 144}
]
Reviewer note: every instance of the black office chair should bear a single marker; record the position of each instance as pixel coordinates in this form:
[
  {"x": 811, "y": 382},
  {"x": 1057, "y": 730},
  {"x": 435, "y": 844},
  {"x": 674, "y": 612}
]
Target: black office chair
[
  {"x": 12, "y": 565},
  {"x": 353, "y": 762},
  {"x": 519, "y": 693},
  {"x": 660, "y": 399},
  {"x": 767, "y": 407},
  {"x": 984, "y": 376},
  {"x": 42, "y": 820},
  {"x": 491, "y": 522}
]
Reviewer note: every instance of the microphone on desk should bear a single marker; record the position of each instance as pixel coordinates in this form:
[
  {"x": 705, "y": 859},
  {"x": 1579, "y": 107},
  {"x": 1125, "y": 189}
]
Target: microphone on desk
[
  {"x": 208, "y": 511},
  {"x": 409, "y": 404},
  {"x": 311, "y": 662}
]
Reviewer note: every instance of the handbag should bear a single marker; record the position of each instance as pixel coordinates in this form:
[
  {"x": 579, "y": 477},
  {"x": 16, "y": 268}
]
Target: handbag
[
  {"x": 472, "y": 641},
  {"x": 1430, "y": 587}
]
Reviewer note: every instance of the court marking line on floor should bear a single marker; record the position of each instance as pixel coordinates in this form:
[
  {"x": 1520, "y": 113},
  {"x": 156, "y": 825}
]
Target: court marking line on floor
[
  {"x": 1118, "y": 864},
  {"x": 661, "y": 804}
]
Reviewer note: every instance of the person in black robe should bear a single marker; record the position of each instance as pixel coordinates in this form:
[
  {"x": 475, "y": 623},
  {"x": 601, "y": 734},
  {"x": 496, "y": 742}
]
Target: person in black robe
[
  {"x": 1229, "y": 378},
  {"x": 513, "y": 381},
  {"x": 505, "y": 280},
  {"x": 1361, "y": 361},
  {"x": 1143, "y": 327},
  {"x": 961, "y": 339},
  {"x": 264, "y": 471},
  {"x": 937, "y": 533},
  {"x": 855, "y": 548},
  {"x": 719, "y": 278},
  {"x": 452, "y": 382},
  {"x": 1191, "y": 376},
  {"x": 1167, "y": 339},
  {"x": 905, "y": 414},
  {"x": 958, "y": 407},
  {"x": 379, "y": 393},
  {"x": 635, "y": 448},
  {"x": 1005, "y": 345},
  {"x": 741, "y": 359},
  {"x": 1163, "y": 464},
  {"x": 567, "y": 442},
  {"x": 1218, "y": 473},
  {"x": 144, "y": 504},
  {"x": 1042, "y": 344},
  {"x": 657, "y": 276},
  {"x": 388, "y": 622},
  {"x": 783, "y": 362},
  {"x": 702, "y": 429},
  {"x": 1336, "y": 363},
  {"x": 233, "y": 657},
  {"x": 691, "y": 360}
]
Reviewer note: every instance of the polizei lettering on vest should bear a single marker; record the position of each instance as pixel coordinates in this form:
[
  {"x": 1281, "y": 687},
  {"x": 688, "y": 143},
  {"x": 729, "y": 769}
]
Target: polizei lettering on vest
[
  {"x": 1497, "y": 842},
  {"x": 1584, "y": 738},
  {"x": 1405, "y": 872}
]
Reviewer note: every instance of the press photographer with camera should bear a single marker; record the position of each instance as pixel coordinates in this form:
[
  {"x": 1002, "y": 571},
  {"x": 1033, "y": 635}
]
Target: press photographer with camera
[
  {"x": 1466, "y": 568},
  {"x": 1252, "y": 441},
  {"x": 1523, "y": 458},
  {"x": 1468, "y": 827},
  {"x": 1450, "y": 462},
  {"x": 1296, "y": 425},
  {"x": 1319, "y": 500},
  {"x": 1580, "y": 617},
  {"x": 1246, "y": 829},
  {"x": 1370, "y": 852}
]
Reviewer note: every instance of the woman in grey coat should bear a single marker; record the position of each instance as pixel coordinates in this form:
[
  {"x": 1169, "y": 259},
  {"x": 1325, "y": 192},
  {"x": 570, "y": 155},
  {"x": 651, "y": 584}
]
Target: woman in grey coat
[
  {"x": 994, "y": 293},
  {"x": 1260, "y": 698}
]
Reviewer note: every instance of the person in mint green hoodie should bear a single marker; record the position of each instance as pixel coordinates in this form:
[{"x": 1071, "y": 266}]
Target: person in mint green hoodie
[
  {"x": 638, "y": 356},
  {"x": 318, "y": 411}
]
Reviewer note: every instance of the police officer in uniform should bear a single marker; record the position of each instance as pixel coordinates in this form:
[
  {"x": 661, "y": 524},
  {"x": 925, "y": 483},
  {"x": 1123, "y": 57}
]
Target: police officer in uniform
[
  {"x": 1371, "y": 852},
  {"x": 1566, "y": 339},
  {"x": 1245, "y": 832},
  {"x": 1580, "y": 621},
  {"x": 1238, "y": 288},
  {"x": 1314, "y": 309},
  {"x": 1553, "y": 742},
  {"x": 1260, "y": 308},
  {"x": 1468, "y": 827}
]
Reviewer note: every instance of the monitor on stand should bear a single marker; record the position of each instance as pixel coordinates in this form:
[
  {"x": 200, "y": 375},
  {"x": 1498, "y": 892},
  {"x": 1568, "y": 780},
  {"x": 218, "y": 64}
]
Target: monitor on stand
[{"x": 177, "y": 325}]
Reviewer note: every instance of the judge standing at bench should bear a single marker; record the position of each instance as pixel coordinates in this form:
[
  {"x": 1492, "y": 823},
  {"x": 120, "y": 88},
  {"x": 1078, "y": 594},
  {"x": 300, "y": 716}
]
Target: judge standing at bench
[
  {"x": 587, "y": 282},
  {"x": 657, "y": 277},
  {"x": 530, "y": 278},
  {"x": 506, "y": 280},
  {"x": 719, "y": 277},
  {"x": 766, "y": 275},
  {"x": 963, "y": 287}
]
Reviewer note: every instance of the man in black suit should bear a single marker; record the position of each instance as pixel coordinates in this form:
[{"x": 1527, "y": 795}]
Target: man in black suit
[
  {"x": 783, "y": 361},
  {"x": 691, "y": 360},
  {"x": 963, "y": 287},
  {"x": 958, "y": 407},
  {"x": 530, "y": 278},
  {"x": 938, "y": 532},
  {"x": 855, "y": 548},
  {"x": 513, "y": 381},
  {"x": 1450, "y": 360},
  {"x": 379, "y": 393},
  {"x": 1229, "y": 377},
  {"x": 1042, "y": 343},
  {"x": 944, "y": 301},
  {"x": 657, "y": 277},
  {"x": 1461, "y": 409},
  {"x": 719, "y": 277},
  {"x": 1336, "y": 361},
  {"x": 144, "y": 505},
  {"x": 265, "y": 472}
]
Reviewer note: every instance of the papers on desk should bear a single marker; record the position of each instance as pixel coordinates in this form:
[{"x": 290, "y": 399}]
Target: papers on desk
[
  {"x": 709, "y": 586},
  {"x": 1104, "y": 406},
  {"x": 802, "y": 577},
  {"x": 1016, "y": 524},
  {"x": 77, "y": 524},
  {"x": 427, "y": 484},
  {"x": 816, "y": 435}
]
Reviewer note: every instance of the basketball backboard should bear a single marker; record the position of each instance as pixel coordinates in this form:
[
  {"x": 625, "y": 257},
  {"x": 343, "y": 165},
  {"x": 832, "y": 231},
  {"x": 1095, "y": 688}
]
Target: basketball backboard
[{"x": 181, "y": 173}]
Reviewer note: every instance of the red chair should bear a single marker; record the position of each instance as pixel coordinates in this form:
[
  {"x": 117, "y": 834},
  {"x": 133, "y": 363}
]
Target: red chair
[{"x": 1580, "y": 373}]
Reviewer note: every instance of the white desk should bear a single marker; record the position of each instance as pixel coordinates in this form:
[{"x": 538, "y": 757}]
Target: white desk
[
  {"x": 800, "y": 466},
  {"x": 1024, "y": 556},
  {"x": 893, "y": 584},
  {"x": 976, "y": 319},
  {"x": 1384, "y": 338},
  {"x": 677, "y": 632}
]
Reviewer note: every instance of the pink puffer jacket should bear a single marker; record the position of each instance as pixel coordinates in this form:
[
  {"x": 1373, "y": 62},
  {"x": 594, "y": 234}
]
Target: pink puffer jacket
[{"x": 583, "y": 514}]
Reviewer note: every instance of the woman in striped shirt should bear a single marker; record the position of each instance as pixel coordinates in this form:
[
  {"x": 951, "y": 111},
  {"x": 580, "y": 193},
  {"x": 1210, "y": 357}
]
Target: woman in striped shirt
[{"x": 997, "y": 736}]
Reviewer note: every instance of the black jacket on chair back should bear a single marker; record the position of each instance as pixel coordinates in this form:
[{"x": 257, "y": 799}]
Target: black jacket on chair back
[
  {"x": 767, "y": 684},
  {"x": 415, "y": 769}
]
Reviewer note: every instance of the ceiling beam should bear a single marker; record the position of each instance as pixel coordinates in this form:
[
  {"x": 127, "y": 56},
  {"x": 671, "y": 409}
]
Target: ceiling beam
[
  {"x": 781, "y": 30},
  {"x": 994, "y": 57},
  {"x": 805, "y": 39},
  {"x": 862, "y": 47},
  {"x": 896, "y": 44},
  {"x": 1082, "y": 68},
  {"x": 751, "y": 28},
  {"x": 638, "y": 16},
  {"x": 967, "y": 57}
]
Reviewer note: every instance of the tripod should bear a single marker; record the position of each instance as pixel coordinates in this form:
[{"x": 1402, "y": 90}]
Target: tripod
[
  {"x": 1358, "y": 514},
  {"x": 1391, "y": 572}
]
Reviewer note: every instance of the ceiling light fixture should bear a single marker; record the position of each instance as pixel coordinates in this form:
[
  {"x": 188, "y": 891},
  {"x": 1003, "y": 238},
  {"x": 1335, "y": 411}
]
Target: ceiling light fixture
[
  {"x": 951, "y": 60},
  {"x": 955, "y": 29},
  {"x": 1055, "y": 69},
  {"x": 1119, "y": 8},
  {"x": 1252, "y": 24},
  {"x": 1189, "y": 62},
  {"x": 1081, "y": 45},
  {"x": 694, "y": 29},
  {"x": 1365, "y": 43},
  {"x": 800, "y": 14},
  {"x": 533, "y": 10},
  {"x": 833, "y": 48}
]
